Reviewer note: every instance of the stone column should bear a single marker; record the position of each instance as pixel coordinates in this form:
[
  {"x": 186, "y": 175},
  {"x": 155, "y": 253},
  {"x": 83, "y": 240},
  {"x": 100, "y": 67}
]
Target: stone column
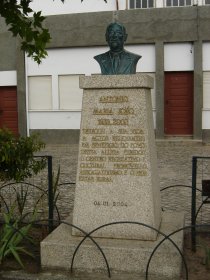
[
  {"x": 159, "y": 95},
  {"x": 198, "y": 91}
]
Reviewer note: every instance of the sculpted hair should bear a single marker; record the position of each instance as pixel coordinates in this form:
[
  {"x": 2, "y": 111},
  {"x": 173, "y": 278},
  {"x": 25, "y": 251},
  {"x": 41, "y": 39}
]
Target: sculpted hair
[{"x": 115, "y": 23}]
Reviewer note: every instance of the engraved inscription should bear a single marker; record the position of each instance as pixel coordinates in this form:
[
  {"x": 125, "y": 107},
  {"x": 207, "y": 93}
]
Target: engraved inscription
[
  {"x": 99, "y": 203},
  {"x": 103, "y": 111},
  {"x": 113, "y": 99},
  {"x": 119, "y": 204},
  {"x": 126, "y": 111},
  {"x": 108, "y": 203},
  {"x": 112, "y": 121},
  {"x": 112, "y": 147}
]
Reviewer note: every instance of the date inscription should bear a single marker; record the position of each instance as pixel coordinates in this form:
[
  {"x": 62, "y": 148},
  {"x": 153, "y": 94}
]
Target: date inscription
[{"x": 110, "y": 203}]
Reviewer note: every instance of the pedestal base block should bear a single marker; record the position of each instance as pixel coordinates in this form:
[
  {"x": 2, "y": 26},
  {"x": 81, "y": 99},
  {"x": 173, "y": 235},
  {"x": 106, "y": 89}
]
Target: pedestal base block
[{"x": 127, "y": 258}]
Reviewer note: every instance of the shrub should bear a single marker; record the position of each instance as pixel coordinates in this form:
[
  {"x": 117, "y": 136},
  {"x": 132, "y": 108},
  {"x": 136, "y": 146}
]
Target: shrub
[
  {"x": 12, "y": 235},
  {"x": 17, "y": 160}
]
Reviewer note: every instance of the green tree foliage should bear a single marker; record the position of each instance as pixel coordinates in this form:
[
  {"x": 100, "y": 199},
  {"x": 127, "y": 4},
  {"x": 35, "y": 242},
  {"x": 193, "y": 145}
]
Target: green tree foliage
[
  {"x": 17, "y": 160},
  {"x": 30, "y": 29}
]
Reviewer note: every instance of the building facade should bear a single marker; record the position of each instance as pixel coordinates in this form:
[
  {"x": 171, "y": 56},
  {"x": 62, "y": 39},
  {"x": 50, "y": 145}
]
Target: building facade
[{"x": 173, "y": 37}]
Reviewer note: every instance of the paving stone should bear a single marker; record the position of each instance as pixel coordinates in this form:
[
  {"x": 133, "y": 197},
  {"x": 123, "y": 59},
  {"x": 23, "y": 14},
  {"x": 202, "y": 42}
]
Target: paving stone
[{"x": 174, "y": 167}]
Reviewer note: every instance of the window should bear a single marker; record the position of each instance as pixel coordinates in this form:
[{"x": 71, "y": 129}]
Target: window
[
  {"x": 206, "y": 87},
  {"x": 70, "y": 95},
  {"x": 178, "y": 3},
  {"x": 207, "y": 2},
  {"x": 141, "y": 4},
  {"x": 40, "y": 93}
]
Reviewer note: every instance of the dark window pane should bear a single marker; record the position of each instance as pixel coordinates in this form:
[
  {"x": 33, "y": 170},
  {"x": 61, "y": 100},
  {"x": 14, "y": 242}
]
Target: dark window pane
[
  {"x": 151, "y": 3},
  {"x": 138, "y": 3},
  {"x": 175, "y": 3},
  {"x": 168, "y": 3},
  {"x": 188, "y": 2},
  {"x": 132, "y": 4},
  {"x": 144, "y": 3},
  {"x": 207, "y": 2},
  {"x": 181, "y": 2}
]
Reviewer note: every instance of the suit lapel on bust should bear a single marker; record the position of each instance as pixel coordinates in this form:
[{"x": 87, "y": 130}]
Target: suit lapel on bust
[
  {"x": 107, "y": 64},
  {"x": 125, "y": 63}
]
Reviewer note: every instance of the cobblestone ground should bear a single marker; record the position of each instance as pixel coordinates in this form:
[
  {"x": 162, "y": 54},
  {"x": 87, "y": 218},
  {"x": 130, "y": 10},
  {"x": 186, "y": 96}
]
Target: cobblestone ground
[
  {"x": 175, "y": 169},
  {"x": 174, "y": 166}
]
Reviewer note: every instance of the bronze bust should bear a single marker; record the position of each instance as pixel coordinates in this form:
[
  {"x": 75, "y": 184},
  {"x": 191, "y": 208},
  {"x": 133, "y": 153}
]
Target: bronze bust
[{"x": 117, "y": 60}]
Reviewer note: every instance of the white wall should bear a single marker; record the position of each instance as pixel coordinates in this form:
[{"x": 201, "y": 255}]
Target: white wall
[
  {"x": 81, "y": 61},
  {"x": 54, "y": 120},
  {"x": 8, "y": 78},
  {"x": 178, "y": 57},
  {"x": 159, "y": 3},
  {"x": 50, "y": 7},
  {"x": 206, "y": 60},
  {"x": 206, "y": 86},
  {"x": 74, "y": 61}
]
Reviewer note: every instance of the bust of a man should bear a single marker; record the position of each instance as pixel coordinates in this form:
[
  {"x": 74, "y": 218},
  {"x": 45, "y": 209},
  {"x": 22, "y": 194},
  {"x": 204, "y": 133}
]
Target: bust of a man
[{"x": 117, "y": 60}]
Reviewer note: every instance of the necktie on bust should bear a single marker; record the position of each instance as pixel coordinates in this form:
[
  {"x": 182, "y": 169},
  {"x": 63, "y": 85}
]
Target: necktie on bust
[{"x": 116, "y": 62}]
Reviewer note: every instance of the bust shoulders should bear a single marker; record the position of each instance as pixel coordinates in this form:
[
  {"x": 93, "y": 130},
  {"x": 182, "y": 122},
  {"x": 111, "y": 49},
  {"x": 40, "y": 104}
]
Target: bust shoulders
[
  {"x": 131, "y": 55},
  {"x": 102, "y": 56},
  {"x": 127, "y": 62},
  {"x": 123, "y": 54}
]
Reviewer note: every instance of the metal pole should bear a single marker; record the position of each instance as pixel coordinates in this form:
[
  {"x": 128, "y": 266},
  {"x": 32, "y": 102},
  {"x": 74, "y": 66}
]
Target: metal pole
[
  {"x": 50, "y": 194},
  {"x": 193, "y": 204},
  {"x": 117, "y": 5}
]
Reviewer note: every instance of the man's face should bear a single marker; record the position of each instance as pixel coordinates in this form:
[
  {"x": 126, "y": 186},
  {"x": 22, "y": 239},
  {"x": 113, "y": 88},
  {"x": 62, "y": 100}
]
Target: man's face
[{"x": 116, "y": 38}]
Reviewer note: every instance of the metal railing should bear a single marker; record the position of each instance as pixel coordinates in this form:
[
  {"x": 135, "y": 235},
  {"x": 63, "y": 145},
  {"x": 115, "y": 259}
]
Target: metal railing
[
  {"x": 40, "y": 192},
  {"x": 200, "y": 172}
]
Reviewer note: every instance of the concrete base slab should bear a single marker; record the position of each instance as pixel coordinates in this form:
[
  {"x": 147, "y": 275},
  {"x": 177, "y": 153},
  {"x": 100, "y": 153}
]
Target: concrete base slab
[
  {"x": 127, "y": 258},
  {"x": 58, "y": 275}
]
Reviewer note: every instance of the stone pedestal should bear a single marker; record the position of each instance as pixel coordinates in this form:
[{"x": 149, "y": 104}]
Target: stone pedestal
[
  {"x": 117, "y": 181},
  {"x": 117, "y": 168},
  {"x": 127, "y": 259}
]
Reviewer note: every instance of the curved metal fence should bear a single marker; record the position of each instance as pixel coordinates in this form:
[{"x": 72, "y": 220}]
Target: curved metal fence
[
  {"x": 52, "y": 200},
  {"x": 166, "y": 237}
]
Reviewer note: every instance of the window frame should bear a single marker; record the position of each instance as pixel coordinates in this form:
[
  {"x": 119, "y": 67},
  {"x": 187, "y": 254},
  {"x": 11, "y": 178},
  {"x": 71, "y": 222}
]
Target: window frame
[
  {"x": 178, "y": 4},
  {"x": 141, "y": 5},
  {"x": 32, "y": 98},
  {"x": 78, "y": 102},
  {"x": 204, "y": 2}
]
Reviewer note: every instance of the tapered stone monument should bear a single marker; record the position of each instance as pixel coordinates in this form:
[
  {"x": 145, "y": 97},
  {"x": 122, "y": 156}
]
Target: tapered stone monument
[
  {"x": 117, "y": 176},
  {"x": 117, "y": 181}
]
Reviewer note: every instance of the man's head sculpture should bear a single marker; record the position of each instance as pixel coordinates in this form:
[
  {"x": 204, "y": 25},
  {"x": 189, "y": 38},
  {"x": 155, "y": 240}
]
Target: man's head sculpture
[
  {"x": 117, "y": 60},
  {"x": 116, "y": 36}
]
